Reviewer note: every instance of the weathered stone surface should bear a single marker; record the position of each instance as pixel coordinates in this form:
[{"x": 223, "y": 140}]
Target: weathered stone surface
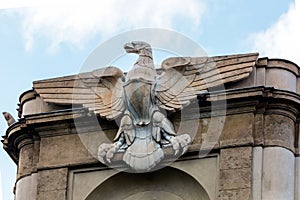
[
  {"x": 52, "y": 180},
  {"x": 191, "y": 127},
  {"x": 240, "y": 194},
  {"x": 261, "y": 74},
  {"x": 211, "y": 131},
  {"x": 235, "y": 158},
  {"x": 237, "y": 130},
  {"x": 91, "y": 140},
  {"x": 279, "y": 130},
  {"x": 235, "y": 178},
  {"x": 64, "y": 150},
  {"x": 51, "y": 195},
  {"x": 26, "y": 165},
  {"x": 28, "y": 159},
  {"x": 287, "y": 79},
  {"x": 258, "y": 129},
  {"x": 52, "y": 184},
  {"x": 235, "y": 173}
]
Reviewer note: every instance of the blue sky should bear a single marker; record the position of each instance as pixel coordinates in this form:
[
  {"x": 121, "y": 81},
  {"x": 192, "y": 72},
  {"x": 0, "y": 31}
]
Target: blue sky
[{"x": 44, "y": 40}]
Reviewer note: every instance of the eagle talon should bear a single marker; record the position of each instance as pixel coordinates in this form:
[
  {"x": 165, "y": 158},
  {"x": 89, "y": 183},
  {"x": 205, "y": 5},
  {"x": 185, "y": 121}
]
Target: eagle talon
[
  {"x": 106, "y": 151},
  {"x": 185, "y": 149},
  {"x": 175, "y": 145},
  {"x": 180, "y": 142}
]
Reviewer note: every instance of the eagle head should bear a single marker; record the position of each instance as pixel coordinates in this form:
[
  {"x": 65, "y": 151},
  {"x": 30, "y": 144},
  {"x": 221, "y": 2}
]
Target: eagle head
[{"x": 136, "y": 47}]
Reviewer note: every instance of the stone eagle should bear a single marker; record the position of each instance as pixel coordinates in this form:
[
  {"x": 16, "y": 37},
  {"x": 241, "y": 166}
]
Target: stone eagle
[
  {"x": 139, "y": 96},
  {"x": 9, "y": 118}
]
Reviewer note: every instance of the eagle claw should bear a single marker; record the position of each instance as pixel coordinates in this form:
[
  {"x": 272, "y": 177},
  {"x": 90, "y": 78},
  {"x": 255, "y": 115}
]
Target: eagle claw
[
  {"x": 106, "y": 151},
  {"x": 180, "y": 141}
]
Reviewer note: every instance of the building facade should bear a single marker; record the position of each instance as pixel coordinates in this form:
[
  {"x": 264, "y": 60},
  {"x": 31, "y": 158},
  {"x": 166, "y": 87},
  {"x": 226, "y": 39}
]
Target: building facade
[{"x": 246, "y": 146}]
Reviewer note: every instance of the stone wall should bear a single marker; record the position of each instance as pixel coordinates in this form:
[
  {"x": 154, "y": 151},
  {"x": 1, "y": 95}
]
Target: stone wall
[{"x": 235, "y": 173}]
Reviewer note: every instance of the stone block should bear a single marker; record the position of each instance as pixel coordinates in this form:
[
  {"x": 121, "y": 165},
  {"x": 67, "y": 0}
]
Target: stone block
[
  {"x": 52, "y": 195},
  {"x": 64, "y": 150},
  {"x": 235, "y": 178},
  {"x": 191, "y": 127},
  {"x": 235, "y": 158},
  {"x": 240, "y": 194},
  {"x": 258, "y": 128},
  {"x": 25, "y": 165},
  {"x": 237, "y": 130},
  {"x": 260, "y": 75},
  {"x": 211, "y": 131},
  {"x": 93, "y": 139},
  {"x": 279, "y": 131},
  {"x": 52, "y": 180}
]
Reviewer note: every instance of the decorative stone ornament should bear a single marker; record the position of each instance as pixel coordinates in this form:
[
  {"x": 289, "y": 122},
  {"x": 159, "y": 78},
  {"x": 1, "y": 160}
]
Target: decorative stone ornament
[
  {"x": 9, "y": 118},
  {"x": 140, "y": 97}
]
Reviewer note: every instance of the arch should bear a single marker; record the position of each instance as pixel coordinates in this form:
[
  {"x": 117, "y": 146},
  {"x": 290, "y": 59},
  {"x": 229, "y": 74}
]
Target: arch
[{"x": 167, "y": 184}]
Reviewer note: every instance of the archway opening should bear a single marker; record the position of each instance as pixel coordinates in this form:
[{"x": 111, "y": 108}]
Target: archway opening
[{"x": 166, "y": 184}]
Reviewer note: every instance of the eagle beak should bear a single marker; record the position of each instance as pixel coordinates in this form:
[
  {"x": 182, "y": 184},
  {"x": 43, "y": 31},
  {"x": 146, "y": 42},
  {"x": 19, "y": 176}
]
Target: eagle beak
[{"x": 129, "y": 48}]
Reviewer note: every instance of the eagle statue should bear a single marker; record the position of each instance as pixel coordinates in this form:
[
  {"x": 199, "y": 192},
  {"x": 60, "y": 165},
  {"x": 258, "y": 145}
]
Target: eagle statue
[{"x": 139, "y": 98}]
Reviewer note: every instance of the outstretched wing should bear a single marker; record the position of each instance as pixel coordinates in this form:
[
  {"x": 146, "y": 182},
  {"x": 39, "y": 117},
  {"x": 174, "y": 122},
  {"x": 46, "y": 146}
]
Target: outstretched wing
[
  {"x": 184, "y": 77},
  {"x": 100, "y": 91}
]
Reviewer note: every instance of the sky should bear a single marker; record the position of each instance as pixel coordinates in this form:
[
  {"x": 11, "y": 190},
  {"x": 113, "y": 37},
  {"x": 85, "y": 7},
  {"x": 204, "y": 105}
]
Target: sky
[{"x": 46, "y": 39}]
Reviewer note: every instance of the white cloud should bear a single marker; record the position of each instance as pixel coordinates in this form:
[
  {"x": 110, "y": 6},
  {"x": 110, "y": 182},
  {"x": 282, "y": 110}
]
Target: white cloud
[
  {"x": 75, "y": 23},
  {"x": 282, "y": 39}
]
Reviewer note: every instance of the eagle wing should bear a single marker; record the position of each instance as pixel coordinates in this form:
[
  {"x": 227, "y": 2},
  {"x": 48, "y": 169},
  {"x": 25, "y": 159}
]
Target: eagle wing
[
  {"x": 100, "y": 91},
  {"x": 185, "y": 77}
]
